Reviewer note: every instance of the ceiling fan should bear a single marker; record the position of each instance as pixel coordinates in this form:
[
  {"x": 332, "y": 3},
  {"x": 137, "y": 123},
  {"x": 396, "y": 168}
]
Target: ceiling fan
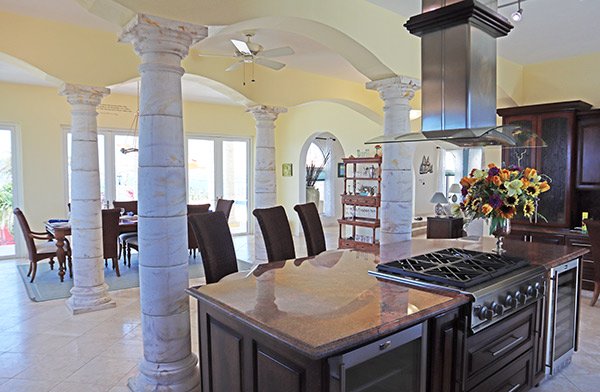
[{"x": 249, "y": 52}]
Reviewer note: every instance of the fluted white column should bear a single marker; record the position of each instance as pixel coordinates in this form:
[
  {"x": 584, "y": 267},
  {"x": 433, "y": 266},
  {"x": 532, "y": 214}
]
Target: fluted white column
[
  {"x": 168, "y": 363},
  {"x": 396, "y": 176},
  {"x": 264, "y": 167},
  {"x": 89, "y": 292}
]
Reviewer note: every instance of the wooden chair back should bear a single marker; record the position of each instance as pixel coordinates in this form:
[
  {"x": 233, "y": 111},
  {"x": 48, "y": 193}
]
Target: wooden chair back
[
  {"x": 276, "y": 232},
  {"x": 193, "y": 209},
  {"x": 128, "y": 205},
  {"x": 312, "y": 227},
  {"x": 110, "y": 232},
  {"x": 216, "y": 245},
  {"x": 26, "y": 230},
  {"x": 224, "y": 206}
]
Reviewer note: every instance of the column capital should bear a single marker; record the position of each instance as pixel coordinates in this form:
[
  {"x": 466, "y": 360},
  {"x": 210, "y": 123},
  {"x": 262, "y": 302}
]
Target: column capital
[
  {"x": 150, "y": 33},
  {"x": 264, "y": 112},
  {"x": 78, "y": 94},
  {"x": 395, "y": 87}
]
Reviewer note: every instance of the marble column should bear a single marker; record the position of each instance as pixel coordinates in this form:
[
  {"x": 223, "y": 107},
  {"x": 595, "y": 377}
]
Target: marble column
[
  {"x": 168, "y": 363},
  {"x": 396, "y": 177},
  {"x": 89, "y": 292},
  {"x": 264, "y": 167}
]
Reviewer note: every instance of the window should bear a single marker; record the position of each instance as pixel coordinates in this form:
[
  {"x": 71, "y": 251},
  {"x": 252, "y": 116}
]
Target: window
[
  {"x": 126, "y": 168},
  {"x": 7, "y": 192},
  {"x": 315, "y": 155},
  {"x": 453, "y": 168}
]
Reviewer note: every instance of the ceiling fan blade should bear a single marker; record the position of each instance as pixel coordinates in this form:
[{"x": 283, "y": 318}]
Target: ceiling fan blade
[
  {"x": 277, "y": 52},
  {"x": 234, "y": 66},
  {"x": 241, "y": 46},
  {"x": 215, "y": 55},
  {"x": 276, "y": 65}
]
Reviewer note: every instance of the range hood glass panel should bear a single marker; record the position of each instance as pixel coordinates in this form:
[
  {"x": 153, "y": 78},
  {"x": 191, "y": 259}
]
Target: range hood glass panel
[{"x": 509, "y": 136}]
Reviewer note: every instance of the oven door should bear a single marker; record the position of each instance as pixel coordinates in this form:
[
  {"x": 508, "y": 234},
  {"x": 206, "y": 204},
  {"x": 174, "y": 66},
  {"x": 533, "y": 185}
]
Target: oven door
[
  {"x": 562, "y": 322},
  {"x": 395, "y": 363}
]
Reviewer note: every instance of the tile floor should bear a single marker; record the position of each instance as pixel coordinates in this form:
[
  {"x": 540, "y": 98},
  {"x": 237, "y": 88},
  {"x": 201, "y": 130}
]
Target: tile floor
[{"x": 43, "y": 348}]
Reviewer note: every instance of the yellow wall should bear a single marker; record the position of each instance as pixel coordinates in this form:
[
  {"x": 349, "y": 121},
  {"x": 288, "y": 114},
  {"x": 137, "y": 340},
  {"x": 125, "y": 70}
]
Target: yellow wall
[
  {"x": 296, "y": 126},
  {"x": 563, "y": 80},
  {"x": 40, "y": 113}
]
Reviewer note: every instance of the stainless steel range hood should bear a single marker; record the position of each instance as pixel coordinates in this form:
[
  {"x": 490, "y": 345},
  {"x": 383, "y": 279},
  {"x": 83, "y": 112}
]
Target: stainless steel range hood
[{"x": 458, "y": 57}]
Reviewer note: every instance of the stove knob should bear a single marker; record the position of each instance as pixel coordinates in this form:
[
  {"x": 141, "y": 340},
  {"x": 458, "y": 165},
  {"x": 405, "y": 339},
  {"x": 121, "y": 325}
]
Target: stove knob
[
  {"x": 530, "y": 291},
  {"x": 520, "y": 297},
  {"x": 537, "y": 289},
  {"x": 509, "y": 301},
  {"x": 485, "y": 313},
  {"x": 497, "y": 308}
]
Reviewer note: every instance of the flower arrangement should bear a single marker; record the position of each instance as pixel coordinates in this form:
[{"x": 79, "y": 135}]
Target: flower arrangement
[{"x": 500, "y": 194}]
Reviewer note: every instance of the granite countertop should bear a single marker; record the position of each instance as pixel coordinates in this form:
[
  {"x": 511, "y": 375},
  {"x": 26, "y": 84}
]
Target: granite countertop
[
  {"x": 328, "y": 304},
  {"x": 324, "y": 305}
]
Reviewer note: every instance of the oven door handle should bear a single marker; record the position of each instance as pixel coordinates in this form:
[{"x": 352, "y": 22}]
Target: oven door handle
[{"x": 510, "y": 345}]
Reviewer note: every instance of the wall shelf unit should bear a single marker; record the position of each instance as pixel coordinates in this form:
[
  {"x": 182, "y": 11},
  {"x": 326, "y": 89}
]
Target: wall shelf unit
[{"x": 361, "y": 201}]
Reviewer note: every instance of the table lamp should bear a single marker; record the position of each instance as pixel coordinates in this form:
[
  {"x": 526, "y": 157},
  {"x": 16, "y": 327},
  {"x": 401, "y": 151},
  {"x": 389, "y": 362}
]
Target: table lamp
[
  {"x": 440, "y": 199},
  {"x": 454, "y": 190}
]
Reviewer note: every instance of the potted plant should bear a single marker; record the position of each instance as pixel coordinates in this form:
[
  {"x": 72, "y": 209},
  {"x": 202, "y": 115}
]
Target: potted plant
[
  {"x": 312, "y": 175},
  {"x": 499, "y": 194}
]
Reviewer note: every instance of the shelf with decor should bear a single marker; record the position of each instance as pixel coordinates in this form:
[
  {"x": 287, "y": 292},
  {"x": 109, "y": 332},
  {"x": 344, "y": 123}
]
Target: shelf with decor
[{"x": 361, "y": 201}]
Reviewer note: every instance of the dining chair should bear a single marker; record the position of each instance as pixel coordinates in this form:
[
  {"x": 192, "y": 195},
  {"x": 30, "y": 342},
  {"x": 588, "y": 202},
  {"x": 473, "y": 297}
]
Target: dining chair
[
  {"x": 132, "y": 243},
  {"x": 110, "y": 237},
  {"x": 216, "y": 245},
  {"x": 224, "y": 206},
  {"x": 593, "y": 227},
  {"x": 312, "y": 227},
  {"x": 40, "y": 250},
  {"x": 128, "y": 206},
  {"x": 193, "y": 209},
  {"x": 276, "y": 232}
]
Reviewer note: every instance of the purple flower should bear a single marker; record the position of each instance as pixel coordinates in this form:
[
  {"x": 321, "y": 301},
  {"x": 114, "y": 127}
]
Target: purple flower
[
  {"x": 514, "y": 168},
  {"x": 494, "y": 171},
  {"x": 495, "y": 201},
  {"x": 464, "y": 191}
]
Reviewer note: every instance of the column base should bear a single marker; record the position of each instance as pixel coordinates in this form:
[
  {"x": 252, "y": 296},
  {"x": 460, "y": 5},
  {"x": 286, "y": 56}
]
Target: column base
[
  {"x": 89, "y": 299},
  {"x": 180, "y": 376}
]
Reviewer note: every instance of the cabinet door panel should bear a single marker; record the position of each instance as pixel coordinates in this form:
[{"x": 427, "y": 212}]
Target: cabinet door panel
[
  {"x": 274, "y": 375},
  {"x": 589, "y": 158},
  {"x": 225, "y": 358},
  {"x": 521, "y": 156},
  {"x": 555, "y": 162}
]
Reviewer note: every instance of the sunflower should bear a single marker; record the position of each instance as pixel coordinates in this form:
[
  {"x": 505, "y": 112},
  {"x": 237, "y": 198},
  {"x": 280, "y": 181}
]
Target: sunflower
[
  {"x": 511, "y": 201},
  {"x": 507, "y": 212},
  {"x": 486, "y": 209},
  {"x": 532, "y": 190},
  {"x": 475, "y": 203},
  {"x": 528, "y": 209}
]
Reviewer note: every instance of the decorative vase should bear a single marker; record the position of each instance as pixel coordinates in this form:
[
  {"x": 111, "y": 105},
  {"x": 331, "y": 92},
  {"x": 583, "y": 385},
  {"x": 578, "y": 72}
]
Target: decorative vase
[
  {"x": 313, "y": 195},
  {"x": 500, "y": 230}
]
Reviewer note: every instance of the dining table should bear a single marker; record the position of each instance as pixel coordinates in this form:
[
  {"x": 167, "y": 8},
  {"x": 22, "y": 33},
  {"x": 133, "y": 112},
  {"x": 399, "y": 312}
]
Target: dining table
[{"x": 60, "y": 230}]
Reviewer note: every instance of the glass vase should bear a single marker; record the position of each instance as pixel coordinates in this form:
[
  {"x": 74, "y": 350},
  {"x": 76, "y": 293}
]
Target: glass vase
[{"x": 500, "y": 229}]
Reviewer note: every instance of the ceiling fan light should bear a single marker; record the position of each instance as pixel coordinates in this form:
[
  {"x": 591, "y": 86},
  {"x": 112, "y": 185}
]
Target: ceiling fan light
[{"x": 517, "y": 15}]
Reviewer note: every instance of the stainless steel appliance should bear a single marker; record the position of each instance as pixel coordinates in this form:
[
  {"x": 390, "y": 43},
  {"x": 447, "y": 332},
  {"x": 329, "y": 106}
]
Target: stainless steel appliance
[
  {"x": 563, "y": 303},
  {"x": 500, "y": 285},
  {"x": 384, "y": 365}
]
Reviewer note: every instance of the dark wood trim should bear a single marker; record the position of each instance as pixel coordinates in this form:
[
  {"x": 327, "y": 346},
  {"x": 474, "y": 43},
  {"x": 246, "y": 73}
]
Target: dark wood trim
[
  {"x": 463, "y": 12},
  {"x": 544, "y": 108}
]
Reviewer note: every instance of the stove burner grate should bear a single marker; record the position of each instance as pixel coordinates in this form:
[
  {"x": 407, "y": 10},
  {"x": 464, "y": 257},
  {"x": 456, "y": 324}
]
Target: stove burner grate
[{"x": 455, "y": 267}]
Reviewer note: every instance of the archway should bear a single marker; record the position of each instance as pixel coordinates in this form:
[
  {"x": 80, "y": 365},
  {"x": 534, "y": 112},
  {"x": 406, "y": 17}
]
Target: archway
[{"x": 331, "y": 186}]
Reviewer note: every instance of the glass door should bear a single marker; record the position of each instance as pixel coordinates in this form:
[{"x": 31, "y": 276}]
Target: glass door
[
  {"x": 7, "y": 239},
  {"x": 126, "y": 168},
  {"x": 218, "y": 168}
]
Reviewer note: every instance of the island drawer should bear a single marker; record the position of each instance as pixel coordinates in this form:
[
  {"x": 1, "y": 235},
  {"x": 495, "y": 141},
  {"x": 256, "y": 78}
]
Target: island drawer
[
  {"x": 515, "y": 377},
  {"x": 491, "y": 349}
]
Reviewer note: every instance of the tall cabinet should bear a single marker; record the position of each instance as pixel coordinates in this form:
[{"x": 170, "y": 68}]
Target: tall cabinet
[{"x": 556, "y": 124}]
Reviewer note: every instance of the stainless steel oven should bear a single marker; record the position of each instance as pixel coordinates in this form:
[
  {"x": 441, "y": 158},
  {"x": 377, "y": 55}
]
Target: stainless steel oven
[
  {"x": 395, "y": 363},
  {"x": 563, "y": 300}
]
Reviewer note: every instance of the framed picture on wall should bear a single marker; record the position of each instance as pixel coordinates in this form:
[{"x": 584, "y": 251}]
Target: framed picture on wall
[
  {"x": 341, "y": 170},
  {"x": 287, "y": 169}
]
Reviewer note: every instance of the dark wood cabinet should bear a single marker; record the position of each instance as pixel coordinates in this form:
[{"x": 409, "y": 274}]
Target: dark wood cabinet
[
  {"x": 447, "y": 337},
  {"x": 556, "y": 124},
  {"x": 444, "y": 227},
  {"x": 588, "y": 143}
]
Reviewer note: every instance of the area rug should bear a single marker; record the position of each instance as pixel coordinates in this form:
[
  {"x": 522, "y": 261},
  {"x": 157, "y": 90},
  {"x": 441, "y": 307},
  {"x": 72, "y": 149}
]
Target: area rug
[{"x": 47, "y": 285}]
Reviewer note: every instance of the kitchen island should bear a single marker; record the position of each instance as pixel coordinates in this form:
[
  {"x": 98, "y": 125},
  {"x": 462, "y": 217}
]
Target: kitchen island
[{"x": 282, "y": 326}]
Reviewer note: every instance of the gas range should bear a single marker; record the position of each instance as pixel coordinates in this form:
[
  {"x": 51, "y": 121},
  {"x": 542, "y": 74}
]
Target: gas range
[{"x": 500, "y": 285}]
